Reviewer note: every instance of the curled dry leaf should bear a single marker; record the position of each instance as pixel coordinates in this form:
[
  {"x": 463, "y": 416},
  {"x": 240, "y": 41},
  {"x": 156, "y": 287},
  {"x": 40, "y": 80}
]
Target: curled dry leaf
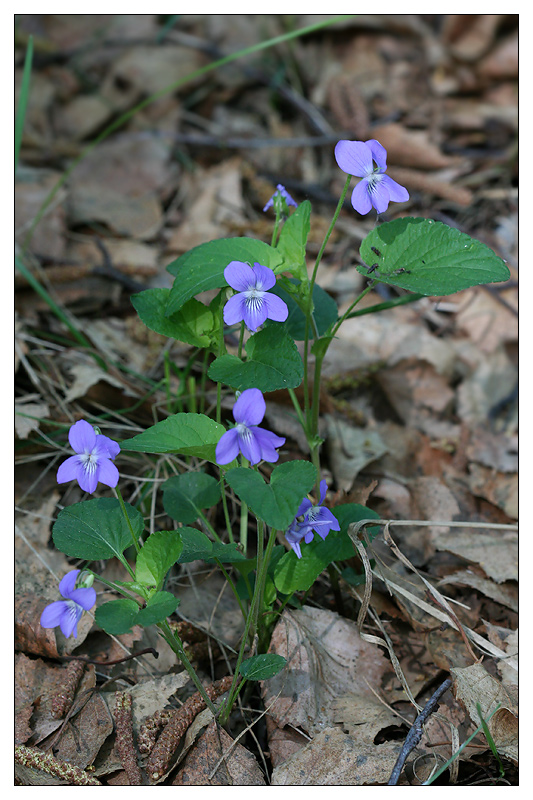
[
  {"x": 216, "y": 760},
  {"x": 474, "y": 685}
]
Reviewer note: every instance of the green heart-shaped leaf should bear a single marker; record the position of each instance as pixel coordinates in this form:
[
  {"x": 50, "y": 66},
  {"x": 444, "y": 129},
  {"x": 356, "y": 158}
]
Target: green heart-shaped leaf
[{"x": 95, "y": 529}]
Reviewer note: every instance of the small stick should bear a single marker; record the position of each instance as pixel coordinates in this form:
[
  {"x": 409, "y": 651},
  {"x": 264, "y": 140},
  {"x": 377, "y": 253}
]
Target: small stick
[{"x": 415, "y": 733}]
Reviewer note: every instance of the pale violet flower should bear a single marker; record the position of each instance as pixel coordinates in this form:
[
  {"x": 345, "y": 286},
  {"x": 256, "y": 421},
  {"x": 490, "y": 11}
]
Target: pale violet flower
[
  {"x": 375, "y": 189},
  {"x": 282, "y": 193},
  {"x": 92, "y": 462},
  {"x": 253, "y": 304},
  {"x": 67, "y": 613},
  {"x": 254, "y": 443},
  {"x": 309, "y": 520}
]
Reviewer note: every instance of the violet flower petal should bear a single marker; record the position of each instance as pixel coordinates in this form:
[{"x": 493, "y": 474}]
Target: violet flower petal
[
  {"x": 87, "y": 479},
  {"x": 268, "y": 442},
  {"x": 249, "y": 444},
  {"x": 69, "y": 620},
  {"x": 361, "y": 198},
  {"x": 228, "y": 447},
  {"x": 106, "y": 447},
  {"x": 52, "y": 614},
  {"x": 255, "y": 312},
  {"x": 379, "y": 196},
  {"x": 235, "y": 309},
  {"x": 68, "y": 470},
  {"x": 265, "y": 278},
  {"x": 107, "y": 473},
  {"x": 250, "y": 407},
  {"x": 82, "y": 437},
  {"x": 85, "y": 597},
  {"x": 276, "y": 308},
  {"x": 240, "y": 276},
  {"x": 379, "y": 154},
  {"x": 68, "y": 582},
  {"x": 397, "y": 192},
  {"x": 354, "y": 158}
]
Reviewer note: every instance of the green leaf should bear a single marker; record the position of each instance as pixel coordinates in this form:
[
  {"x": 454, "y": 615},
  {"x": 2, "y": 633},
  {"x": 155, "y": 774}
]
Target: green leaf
[
  {"x": 293, "y": 239},
  {"x": 191, "y": 324},
  {"x": 293, "y": 574},
  {"x": 95, "y": 529},
  {"x": 158, "y": 608},
  {"x": 275, "y": 503},
  {"x": 185, "y": 495},
  {"x": 226, "y": 553},
  {"x": 117, "y": 617},
  {"x": 429, "y": 257},
  {"x": 196, "y": 546},
  {"x": 160, "y": 551},
  {"x": 325, "y": 312},
  {"x": 186, "y": 434},
  {"x": 203, "y": 267},
  {"x": 262, "y": 667},
  {"x": 273, "y": 363}
]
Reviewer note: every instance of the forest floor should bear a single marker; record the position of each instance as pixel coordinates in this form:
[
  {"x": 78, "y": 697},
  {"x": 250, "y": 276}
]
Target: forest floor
[{"x": 418, "y": 404}]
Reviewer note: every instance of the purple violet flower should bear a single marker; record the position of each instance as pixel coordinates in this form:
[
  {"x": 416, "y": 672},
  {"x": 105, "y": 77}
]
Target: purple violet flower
[
  {"x": 92, "y": 462},
  {"x": 253, "y": 442},
  {"x": 68, "y": 612},
  {"x": 252, "y": 304},
  {"x": 309, "y": 520},
  {"x": 376, "y": 189},
  {"x": 281, "y": 190}
]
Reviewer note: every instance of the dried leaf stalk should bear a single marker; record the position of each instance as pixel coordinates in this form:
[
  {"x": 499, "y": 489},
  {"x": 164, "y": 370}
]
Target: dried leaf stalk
[
  {"x": 176, "y": 728},
  {"x": 61, "y": 701},
  {"x": 124, "y": 738},
  {"x": 45, "y": 762}
]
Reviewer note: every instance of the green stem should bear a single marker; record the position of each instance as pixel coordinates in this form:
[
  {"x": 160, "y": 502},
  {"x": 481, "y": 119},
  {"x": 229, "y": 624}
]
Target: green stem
[
  {"x": 177, "y": 647},
  {"x": 244, "y": 526},
  {"x": 209, "y": 527},
  {"x": 225, "y": 507},
  {"x": 232, "y": 586},
  {"x": 128, "y": 521},
  {"x": 355, "y": 302}
]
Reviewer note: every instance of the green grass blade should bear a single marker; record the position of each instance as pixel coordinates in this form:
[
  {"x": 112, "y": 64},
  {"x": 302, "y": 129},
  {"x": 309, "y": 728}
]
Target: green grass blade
[
  {"x": 171, "y": 88},
  {"x": 23, "y": 100}
]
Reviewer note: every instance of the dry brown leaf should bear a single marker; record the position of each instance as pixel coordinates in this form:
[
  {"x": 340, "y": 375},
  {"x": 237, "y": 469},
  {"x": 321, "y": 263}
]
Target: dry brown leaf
[
  {"x": 504, "y": 593},
  {"x": 85, "y": 733},
  {"x": 495, "y": 552},
  {"x": 488, "y": 323},
  {"x": 140, "y": 217},
  {"x": 363, "y": 717},
  {"x": 503, "y": 61},
  {"x": 237, "y": 767},
  {"x": 496, "y": 487},
  {"x": 326, "y": 658},
  {"x": 85, "y": 376},
  {"x": 31, "y": 190},
  {"x": 350, "y": 449},
  {"x": 24, "y": 425},
  {"x": 491, "y": 381},
  {"x": 474, "y": 685},
  {"x": 469, "y": 36},
  {"x": 334, "y": 758},
  {"x": 495, "y": 450}
]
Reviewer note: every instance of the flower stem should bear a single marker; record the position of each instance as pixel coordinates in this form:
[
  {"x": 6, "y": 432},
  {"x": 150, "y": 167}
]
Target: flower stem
[
  {"x": 177, "y": 647},
  {"x": 128, "y": 521}
]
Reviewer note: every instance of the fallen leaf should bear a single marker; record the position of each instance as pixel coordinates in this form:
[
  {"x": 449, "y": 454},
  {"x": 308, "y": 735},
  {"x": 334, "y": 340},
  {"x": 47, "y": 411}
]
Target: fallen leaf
[
  {"x": 236, "y": 765},
  {"x": 350, "y": 449},
  {"x": 474, "y": 685},
  {"x": 499, "y": 489},
  {"x": 334, "y": 758},
  {"x": 326, "y": 658}
]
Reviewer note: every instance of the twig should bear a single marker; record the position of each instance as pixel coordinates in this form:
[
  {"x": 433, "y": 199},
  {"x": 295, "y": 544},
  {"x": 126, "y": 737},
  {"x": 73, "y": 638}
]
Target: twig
[
  {"x": 150, "y": 650},
  {"x": 415, "y": 733}
]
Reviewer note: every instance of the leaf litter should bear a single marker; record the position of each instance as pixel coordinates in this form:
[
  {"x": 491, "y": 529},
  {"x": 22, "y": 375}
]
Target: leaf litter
[{"x": 429, "y": 385}]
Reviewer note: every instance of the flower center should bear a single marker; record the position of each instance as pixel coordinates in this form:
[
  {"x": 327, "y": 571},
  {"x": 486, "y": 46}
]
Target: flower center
[
  {"x": 254, "y": 298},
  {"x": 243, "y": 431},
  {"x": 374, "y": 179},
  {"x": 89, "y": 461}
]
